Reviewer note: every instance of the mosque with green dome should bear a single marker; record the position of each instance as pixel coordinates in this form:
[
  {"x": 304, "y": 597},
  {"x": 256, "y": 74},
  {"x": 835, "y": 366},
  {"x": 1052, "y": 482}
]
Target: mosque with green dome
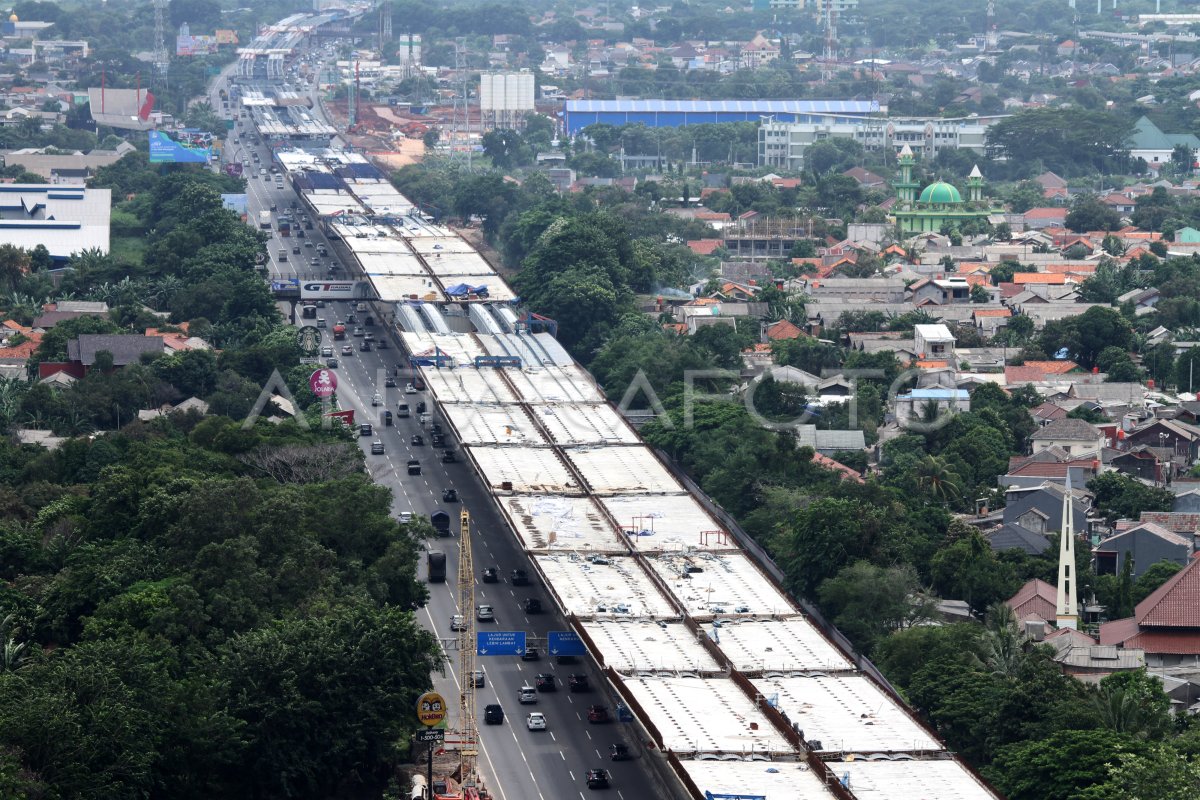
[{"x": 939, "y": 205}]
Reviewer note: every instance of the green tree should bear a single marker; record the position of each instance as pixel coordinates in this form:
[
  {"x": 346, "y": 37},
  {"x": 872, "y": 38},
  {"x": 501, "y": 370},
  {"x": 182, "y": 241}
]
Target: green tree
[
  {"x": 318, "y": 699},
  {"x": 505, "y": 147},
  {"x": 1119, "y": 496},
  {"x": 969, "y": 570},
  {"x": 1063, "y": 766},
  {"x": 1155, "y": 576},
  {"x": 1089, "y": 214},
  {"x": 815, "y": 543},
  {"x": 867, "y": 602}
]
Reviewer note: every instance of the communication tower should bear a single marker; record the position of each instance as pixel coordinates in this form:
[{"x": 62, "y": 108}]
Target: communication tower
[{"x": 162, "y": 61}]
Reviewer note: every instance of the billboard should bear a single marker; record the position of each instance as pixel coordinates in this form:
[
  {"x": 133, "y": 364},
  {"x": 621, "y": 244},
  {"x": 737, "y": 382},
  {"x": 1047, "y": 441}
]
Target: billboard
[
  {"x": 226, "y": 36},
  {"x": 195, "y": 45},
  {"x": 335, "y": 290},
  {"x": 164, "y": 150}
]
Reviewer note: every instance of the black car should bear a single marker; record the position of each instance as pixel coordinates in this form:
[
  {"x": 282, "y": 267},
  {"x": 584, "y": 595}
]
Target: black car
[
  {"x": 533, "y": 606},
  {"x": 389, "y": 382},
  {"x": 364, "y": 429},
  {"x": 421, "y": 407},
  {"x": 545, "y": 682},
  {"x": 387, "y": 418},
  {"x": 493, "y": 714},
  {"x": 597, "y": 779},
  {"x": 382, "y": 344},
  {"x": 531, "y": 654},
  {"x": 578, "y": 683},
  {"x": 450, "y": 496},
  {"x": 417, "y": 440},
  {"x": 414, "y": 467},
  {"x": 520, "y": 577},
  {"x": 491, "y": 575},
  {"x": 619, "y": 752},
  {"x": 448, "y": 457},
  {"x": 365, "y": 346},
  {"x": 331, "y": 363}
]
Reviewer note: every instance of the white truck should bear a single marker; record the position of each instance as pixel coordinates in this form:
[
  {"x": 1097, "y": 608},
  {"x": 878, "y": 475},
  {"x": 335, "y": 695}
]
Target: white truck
[{"x": 264, "y": 220}]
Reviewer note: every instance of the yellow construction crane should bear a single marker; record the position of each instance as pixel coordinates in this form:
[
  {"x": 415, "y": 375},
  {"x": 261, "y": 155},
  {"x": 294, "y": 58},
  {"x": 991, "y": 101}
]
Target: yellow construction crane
[{"x": 466, "y": 656}]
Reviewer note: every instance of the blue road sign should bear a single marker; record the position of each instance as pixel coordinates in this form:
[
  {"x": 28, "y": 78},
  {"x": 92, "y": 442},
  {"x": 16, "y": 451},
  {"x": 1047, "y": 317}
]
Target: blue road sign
[
  {"x": 565, "y": 643},
  {"x": 500, "y": 643}
]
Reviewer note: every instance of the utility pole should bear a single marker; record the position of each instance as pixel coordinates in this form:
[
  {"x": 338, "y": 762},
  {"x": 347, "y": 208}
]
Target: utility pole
[{"x": 466, "y": 655}]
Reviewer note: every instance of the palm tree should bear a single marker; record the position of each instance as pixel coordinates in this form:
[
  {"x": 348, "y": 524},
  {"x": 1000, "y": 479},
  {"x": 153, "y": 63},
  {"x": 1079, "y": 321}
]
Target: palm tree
[
  {"x": 935, "y": 476},
  {"x": 13, "y": 652},
  {"x": 1002, "y": 646}
]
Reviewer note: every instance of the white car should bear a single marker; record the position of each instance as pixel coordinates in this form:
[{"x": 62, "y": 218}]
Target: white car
[
  {"x": 485, "y": 613},
  {"x": 458, "y": 623},
  {"x": 377, "y": 400},
  {"x": 536, "y": 721},
  {"x": 410, "y": 389},
  {"x": 406, "y": 517}
]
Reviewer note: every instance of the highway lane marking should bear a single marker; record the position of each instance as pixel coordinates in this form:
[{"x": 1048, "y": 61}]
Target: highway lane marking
[
  {"x": 572, "y": 774},
  {"x": 564, "y": 757},
  {"x": 552, "y": 736},
  {"x": 597, "y": 752}
]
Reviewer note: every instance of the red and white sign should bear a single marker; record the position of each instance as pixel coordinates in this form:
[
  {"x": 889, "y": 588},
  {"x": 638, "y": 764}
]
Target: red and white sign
[{"x": 323, "y": 382}]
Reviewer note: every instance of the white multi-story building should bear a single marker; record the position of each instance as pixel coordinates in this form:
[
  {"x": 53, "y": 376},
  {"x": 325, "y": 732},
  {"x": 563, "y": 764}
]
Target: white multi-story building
[{"x": 782, "y": 144}]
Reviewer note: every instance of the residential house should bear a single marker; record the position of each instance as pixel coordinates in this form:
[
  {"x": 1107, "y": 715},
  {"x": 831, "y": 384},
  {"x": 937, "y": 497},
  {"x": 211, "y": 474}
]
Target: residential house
[
  {"x": 917, "y": 406},
  {"x": 829, "y": 442},
  {"x": 1143, "y": 463},
  {"x": 781, "y": 331},
  {"x": 1187, "y": 502},
  {"x": 82, "y": 352},
  {"x": 1014, "y": 537},
  {"x": 1181, "y": 440},
  {"x": 1039, "y": 218},
  {"x": 1039, "y": 508},
  {"x": 1147, "y": 544},
  {"x": 1166, "y": 624},
  {"x": 990, "y": 320},
  {"x": 1074, "y": 436},
  {"x": 1184, "y": 523},
  {"x": 934, "y": 342},
  {"x": 940, "y": 291},
  {"x": 1081, "y": 657},
  {"x": 1036, "y": 600},
  {"x": 1051, "y": 465}
]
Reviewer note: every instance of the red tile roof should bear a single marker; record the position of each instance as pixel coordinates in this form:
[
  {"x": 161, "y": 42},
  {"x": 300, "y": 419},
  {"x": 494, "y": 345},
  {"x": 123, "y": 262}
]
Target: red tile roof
[
  {"x": 1178, "y": 521},
  {"x": 1054, "y": 367},
  {"x": 837, "y": 466},
  {"x": 993, "y": 312},
  {"x": 1038, "y": 277},
  {"x": 1175, "y": 604},
  {"x": 1070, "y": 269},
  {"x": 1046, "y": 213},
  {"x": 1035, "y": 599},
  {"x": 704, "y": 247},
  {"x": 783, "y": 329}
]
